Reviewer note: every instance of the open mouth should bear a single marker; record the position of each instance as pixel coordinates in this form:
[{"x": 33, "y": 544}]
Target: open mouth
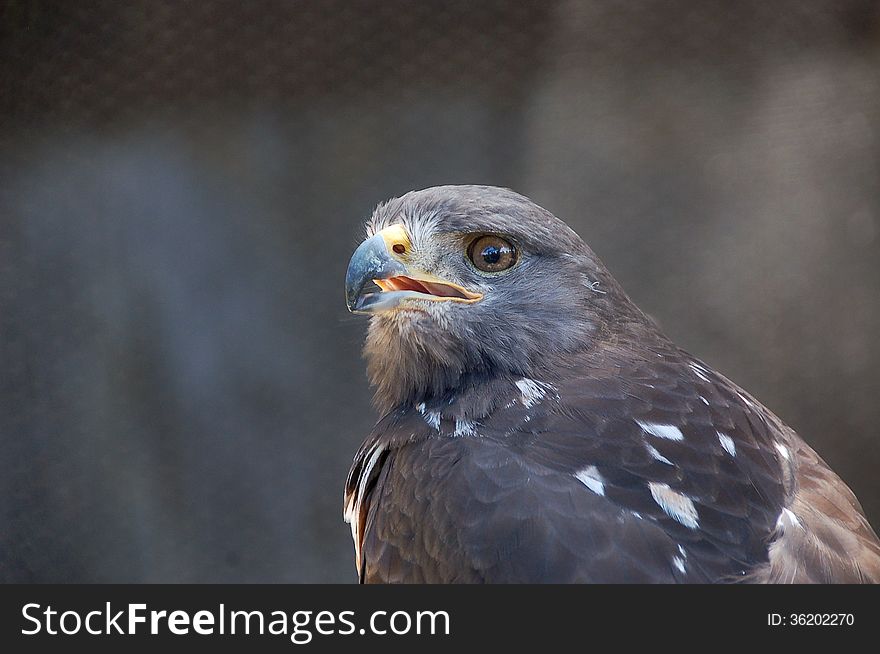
[
  {"x": 398, "y": 284},
  {"x": 433, "y": 289}
]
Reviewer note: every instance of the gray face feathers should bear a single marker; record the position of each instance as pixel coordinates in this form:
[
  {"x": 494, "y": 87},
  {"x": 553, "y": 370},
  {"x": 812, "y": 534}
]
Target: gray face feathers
[
  {"x": 552, "y": 300},
  {"x": 537, "y": 427}
]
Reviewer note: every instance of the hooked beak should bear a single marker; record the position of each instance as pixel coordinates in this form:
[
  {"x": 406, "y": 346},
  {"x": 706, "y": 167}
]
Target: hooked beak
[{"x": 382, "y": 259}]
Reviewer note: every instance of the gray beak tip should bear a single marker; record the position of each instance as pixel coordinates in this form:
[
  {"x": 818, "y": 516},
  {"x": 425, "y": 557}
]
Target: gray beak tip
[{"x": 371, "y": 260}]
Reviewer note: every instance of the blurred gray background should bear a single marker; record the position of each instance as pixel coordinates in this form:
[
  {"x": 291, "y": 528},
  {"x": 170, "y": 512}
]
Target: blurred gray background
[{"x": 181, "y": 186}]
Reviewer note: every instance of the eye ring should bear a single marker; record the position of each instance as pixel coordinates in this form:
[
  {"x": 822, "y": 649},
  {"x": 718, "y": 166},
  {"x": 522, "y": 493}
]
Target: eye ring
[{"x": 491, "y": 254}]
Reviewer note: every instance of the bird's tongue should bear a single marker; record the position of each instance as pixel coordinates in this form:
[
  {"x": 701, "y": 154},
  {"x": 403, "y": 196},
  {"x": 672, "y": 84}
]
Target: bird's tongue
[
  {"x": 441, "y": 290},
  {"x": 430, "y": 288}
]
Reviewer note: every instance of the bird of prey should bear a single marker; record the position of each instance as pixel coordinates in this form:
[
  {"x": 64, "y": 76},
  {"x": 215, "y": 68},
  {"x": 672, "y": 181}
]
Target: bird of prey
[{"x": 538, "y": 427}]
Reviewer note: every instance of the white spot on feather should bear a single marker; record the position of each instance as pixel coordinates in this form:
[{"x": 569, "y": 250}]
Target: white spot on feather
[
  {"x": 699, "y": 371},
  {"x": 669, "y": 432},
  {"x": 532, "y": 391},
  {"x": 676, "y": 505},
  {"x": 705, "y": 401},
  {"x": 431, "y": 417},
  {"x": 591, "y": 478},
  {"x": 748, "y": 402},
  {"x": 352, "y": 521},
  {"x": 464, "y": 427},
  {"x": 727, "y": 443},
  {"x": 353, "y": 503},
  {"x": 678, "y": 562},
  {"x": 783, "y": 451},
  {"x": 787, "y": 517},
  {"x": 656, "y": 455}
]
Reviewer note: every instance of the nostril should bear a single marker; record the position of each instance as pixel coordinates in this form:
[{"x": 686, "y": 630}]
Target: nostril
[{"x": 399, "y": 248}]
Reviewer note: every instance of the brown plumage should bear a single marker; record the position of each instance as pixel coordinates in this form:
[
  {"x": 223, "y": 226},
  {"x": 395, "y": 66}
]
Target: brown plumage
[{"x": 538, "y": 427}]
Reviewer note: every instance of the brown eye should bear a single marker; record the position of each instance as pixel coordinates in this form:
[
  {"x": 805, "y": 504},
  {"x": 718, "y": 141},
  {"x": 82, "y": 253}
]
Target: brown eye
[{"x": 492, "y": 254}]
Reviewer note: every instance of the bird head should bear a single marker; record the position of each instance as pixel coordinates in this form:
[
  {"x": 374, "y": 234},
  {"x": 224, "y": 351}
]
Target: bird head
[{"x": 472, "y": 282}]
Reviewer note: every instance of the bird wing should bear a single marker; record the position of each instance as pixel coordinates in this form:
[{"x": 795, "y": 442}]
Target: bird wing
[
  {"x": 651, "y": 468},
  {"x": 822, "y": 535}
]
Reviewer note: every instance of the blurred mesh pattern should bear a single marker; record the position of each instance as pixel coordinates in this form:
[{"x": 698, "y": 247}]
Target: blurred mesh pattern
[{"x": 181, "y": 184}]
